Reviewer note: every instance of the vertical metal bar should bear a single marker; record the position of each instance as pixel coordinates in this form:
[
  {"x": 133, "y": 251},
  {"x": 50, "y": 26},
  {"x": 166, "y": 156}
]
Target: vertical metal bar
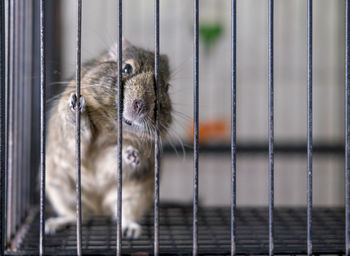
[
  {"x": 156, "y": 134},
  {"x": 233, "y": 126},
  {"x": 35, "y": 104},
  {"x": 347, "y": 127},
  {"x": 10, "y": 85},
  {"x": 23, "y": 108},
  {"x": 30, "y": 72},
  {"x": 77, "y": 127},
  {"x": 26, "y": 105},
  {"x": 271, "y": 126},
  {"x": 309, "y": 126},
  {"x": 19, "y": 107},
  {"x": 195, "y": 123},
  {"x": 2, "y": 127},
  {"x": 15, "y": 115},
  {"x": 16, "y": 105},
  {"x": 120, "y": 130},
  {"x": 20, "y": 156},
  {"x": 7, "y": 115},
  {"x": 42, "y": 124}
]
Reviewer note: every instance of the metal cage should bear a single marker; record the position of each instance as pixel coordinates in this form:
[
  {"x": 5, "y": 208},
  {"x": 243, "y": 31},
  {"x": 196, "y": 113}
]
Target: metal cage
[{"x": 169, "y": 229}]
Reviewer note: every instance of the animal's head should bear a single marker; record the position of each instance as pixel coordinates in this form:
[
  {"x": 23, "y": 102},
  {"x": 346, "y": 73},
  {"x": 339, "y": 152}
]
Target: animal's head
[{"x": 138, "y": 79}]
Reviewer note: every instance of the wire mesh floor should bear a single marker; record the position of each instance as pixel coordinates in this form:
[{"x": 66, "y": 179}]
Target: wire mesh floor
[{"x": 214, "y": 233}]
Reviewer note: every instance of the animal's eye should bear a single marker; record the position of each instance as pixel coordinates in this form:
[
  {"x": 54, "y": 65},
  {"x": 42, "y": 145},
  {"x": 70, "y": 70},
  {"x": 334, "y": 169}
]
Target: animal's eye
[
  {"x": 167, "y": 87},
  {"x": 127, "y": 69}
]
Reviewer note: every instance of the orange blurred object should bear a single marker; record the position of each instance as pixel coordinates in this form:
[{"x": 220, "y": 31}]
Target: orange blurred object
[{"x": 210, "y": 130}]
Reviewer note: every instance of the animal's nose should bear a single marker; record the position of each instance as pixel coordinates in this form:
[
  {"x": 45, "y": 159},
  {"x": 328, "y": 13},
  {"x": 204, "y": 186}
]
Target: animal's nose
[{"x": 139, "y": 106}]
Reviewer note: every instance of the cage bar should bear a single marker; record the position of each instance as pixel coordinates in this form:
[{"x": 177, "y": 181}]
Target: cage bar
[
  {"x": 233, "y": 126},
  {"x": 10, "y": 121},
  {"x": 77, "y": 127},
  {"x": 195, "y": 123},
  {"x": 309, "y": 127},
  {"x": 26, "y": 110},
  {"x": 2, "y": 127},
  {"x": 347, "y": 127},
  {"x": 7, "y": 114},
  {"x": 271, "y": 126},
  {"x": 156, "y": 134},
  {"x": 20, "y": 113},
  {"x": 120, "y": 131},
  {"x": 42, "y": 125},
  {"x": 24, "y": 106},
  {"x": 20, "y": 155},
  {"x": 15, "y": 116}
]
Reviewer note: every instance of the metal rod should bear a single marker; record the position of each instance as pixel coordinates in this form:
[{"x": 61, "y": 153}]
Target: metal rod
[
  {"x": 156, "y": 134},
  {"x": 15, "y": 114},
  {"x": 7, "y": 116},
  {"x": 271, "y": 126},
  {"x": 42, "y": 124},
  {"x": 347, "y": 127},
  {"x": 10, "y": 205},
  {"x": 25, "y": 150},
  {"x": 20, "y": 142},
  {"x": 309, "y": 126},
  {"x": 261, "y": 148},
  {"x": 233, "y": 126},
  {"x": 26, "y": 106},
  {"x": 2, "y": 127},
  {"x": 20, "y": 71},
  {"x": 195, "y": 123},
  {"x": 120, "y": 130},
  {"x": 77, "y": 127},
  {"x": 17, "y": 101}
]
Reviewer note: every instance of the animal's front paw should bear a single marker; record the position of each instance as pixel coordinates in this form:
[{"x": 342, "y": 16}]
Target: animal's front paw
[
  {"x": 131, "y": 156},
  {"x": 131, "y": 230},
  {"x": 73, "y": 103}
]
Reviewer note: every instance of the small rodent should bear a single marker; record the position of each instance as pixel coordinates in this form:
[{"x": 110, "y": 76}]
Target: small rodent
[{"x": 99, "y": 139}]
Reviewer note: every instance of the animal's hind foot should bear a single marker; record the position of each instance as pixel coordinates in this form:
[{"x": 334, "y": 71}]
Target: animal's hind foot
[
  {"x": 52, "y": 225},
  {"x": 131, "y": 230}
]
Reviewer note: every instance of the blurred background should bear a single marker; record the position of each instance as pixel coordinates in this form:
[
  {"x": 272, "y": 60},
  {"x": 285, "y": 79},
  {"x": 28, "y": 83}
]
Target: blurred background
[{"x": 176, "y": 40}]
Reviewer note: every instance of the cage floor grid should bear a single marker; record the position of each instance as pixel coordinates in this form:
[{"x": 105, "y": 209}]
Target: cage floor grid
[{"x": 214, "y": 233}]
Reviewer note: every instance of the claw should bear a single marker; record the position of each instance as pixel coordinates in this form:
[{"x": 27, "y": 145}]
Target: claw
[
  {"x": 73, "y": 103},
  {"x": 131, "y": 156}
]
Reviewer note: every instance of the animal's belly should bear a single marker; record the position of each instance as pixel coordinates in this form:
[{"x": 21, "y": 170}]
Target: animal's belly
[{"x": 95, "y": 186}]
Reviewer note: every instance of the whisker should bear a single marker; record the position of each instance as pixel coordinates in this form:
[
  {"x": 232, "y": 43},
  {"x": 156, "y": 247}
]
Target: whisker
[
  {"x": 59, "y": 83},
  {"x": 182, "y": 115},
  {"x": 179, "y": 67}
]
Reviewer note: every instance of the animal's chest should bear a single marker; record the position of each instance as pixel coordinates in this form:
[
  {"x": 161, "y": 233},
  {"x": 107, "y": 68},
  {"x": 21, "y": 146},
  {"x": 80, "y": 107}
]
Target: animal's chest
[{"x": 99, "y": 170}]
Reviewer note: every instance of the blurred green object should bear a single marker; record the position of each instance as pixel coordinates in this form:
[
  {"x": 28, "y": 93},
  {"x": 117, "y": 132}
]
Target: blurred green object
[{"x": 210, "y": 33}]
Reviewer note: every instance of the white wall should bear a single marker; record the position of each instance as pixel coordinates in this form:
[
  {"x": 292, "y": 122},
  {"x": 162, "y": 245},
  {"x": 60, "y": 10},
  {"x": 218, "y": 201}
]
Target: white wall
[
  {"x": 99, "y": 27},
  {"x": 252, "y": 180}
]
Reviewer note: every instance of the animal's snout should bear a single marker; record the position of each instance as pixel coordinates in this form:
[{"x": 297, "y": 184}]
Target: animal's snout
[{"x": 140, "y": 106}]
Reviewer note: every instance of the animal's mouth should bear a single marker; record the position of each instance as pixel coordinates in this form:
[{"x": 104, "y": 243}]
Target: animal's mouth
[{"x": 128, "y": 122}]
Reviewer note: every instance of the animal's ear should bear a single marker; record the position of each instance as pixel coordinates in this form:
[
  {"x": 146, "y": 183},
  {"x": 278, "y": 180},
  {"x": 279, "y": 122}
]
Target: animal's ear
[
  {"x": 113, "y": 51},
  {"x": 126, "y": 44}
]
